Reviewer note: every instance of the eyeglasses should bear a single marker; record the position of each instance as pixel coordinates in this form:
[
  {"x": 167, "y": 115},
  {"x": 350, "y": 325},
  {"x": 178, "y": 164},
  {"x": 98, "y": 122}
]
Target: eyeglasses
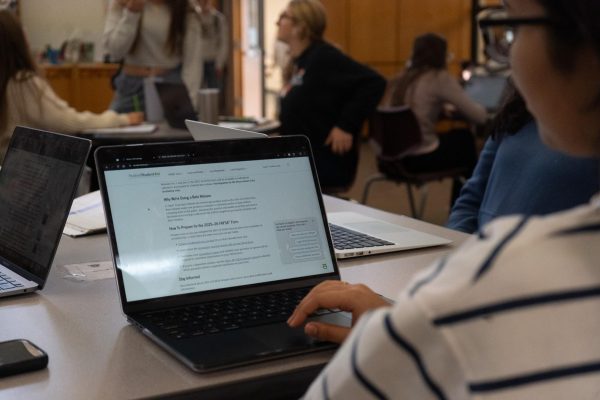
[
  {"x": 285, "y": 15},
  {"x": 499, "y": 32}
]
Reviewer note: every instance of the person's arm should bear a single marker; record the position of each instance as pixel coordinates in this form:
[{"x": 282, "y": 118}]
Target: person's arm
[
  {"x": 465, "y": 212},
  {"x": 223, "y": 43},
  {"x": 363, "y": 88},
  {"x": 451, "y": 92},
  {"x": 55, "y": 114},
  {"x": 392, "y": 353},
  {"x": 121, "y": 28},
  {"x": 192, "y": 60}
]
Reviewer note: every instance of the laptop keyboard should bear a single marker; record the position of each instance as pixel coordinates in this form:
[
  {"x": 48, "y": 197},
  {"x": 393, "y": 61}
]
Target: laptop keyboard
[
  {"x": 346, "y": 239},
  {"x": 6, "y": 282},
  {"x": 231, "y": 314}
]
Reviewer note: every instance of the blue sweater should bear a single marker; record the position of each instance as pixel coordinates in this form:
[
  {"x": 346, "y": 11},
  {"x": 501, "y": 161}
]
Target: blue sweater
[{"x": 520, "y": 175}]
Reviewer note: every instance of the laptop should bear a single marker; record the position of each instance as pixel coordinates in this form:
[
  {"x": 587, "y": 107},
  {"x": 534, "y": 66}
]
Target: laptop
[
  {"x": 356, "y": 235},
  {"x": 38, "y": 180},
  {"x": 487, "y": 90},
  {"x": 202, "y": 131},
  {"x": 215, "y": 243},
  {"x": 176, "y": 103}
]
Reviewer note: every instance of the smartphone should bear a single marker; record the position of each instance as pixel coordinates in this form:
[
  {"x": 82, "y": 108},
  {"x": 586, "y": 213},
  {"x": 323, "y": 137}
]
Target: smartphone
[{"x": 21, "y": 355}]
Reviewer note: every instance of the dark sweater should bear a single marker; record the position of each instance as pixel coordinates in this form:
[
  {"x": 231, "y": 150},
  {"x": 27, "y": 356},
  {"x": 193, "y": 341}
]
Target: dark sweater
[
  {"x": 520, "y": 175},
  {"x": 330, "y": 90}
]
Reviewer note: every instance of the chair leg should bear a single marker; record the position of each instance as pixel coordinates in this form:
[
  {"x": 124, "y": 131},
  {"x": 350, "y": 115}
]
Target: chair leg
[
  {"x": 424, "y": 193},
  {"x": 411, "y": 200},
  {"x": 370, "y": 181}
]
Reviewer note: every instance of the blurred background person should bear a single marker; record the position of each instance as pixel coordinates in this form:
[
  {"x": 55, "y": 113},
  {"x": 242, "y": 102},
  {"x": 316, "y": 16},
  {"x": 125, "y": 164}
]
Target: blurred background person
[
  {"x": 427, "y": 87},
  {"x": 328, "y": 95},
  {"x": 27, "y": 99},
  {"x": 215, "y": 44},
  {"x": 153, "y": 38}
]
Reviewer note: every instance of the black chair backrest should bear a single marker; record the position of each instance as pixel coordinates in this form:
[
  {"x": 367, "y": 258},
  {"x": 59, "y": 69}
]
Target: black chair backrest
[{"x": 394, "y": 131}]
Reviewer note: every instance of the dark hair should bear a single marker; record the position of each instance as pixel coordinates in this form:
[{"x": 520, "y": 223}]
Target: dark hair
[
  {"x": 15, "y": 59},
  {"x": 429, "y": 53},
  {"x": 178, "y": 10},
  {"x": 574, "y": 24},
  {"x": 513, "y": 114}
]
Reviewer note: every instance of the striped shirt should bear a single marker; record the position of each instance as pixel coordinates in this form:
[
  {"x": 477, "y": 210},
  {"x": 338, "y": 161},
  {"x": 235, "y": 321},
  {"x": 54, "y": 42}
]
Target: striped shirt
[{"x": 514, "y": 314}]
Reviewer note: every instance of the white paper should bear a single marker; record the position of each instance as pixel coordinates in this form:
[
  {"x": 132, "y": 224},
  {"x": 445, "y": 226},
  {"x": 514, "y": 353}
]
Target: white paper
[
  {"x": 86, "y": 215},
  {"x": 91, "y": 271},
  {"x": 142, "y": 128}
]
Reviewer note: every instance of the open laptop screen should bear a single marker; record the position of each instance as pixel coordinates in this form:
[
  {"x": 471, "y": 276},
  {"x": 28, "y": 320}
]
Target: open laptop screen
[
  {"x": 487, "y": 90},
  {"x": 38, "y": 180},
  {"x": 200, "y": 217}
]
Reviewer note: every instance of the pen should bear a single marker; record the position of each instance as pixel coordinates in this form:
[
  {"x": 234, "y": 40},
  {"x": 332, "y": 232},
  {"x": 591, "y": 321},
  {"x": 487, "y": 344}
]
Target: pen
[{"x": 136, "y": 103}]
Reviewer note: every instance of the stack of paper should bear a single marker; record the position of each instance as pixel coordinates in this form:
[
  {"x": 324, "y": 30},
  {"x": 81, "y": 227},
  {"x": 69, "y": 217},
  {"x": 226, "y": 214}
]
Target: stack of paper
[
  {"x": 86, "y": 216},
  {"x": 142, "y": 128}
]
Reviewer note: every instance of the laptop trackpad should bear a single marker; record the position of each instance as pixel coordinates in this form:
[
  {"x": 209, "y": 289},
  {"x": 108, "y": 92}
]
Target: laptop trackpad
[{"x": 281, "y": 338}]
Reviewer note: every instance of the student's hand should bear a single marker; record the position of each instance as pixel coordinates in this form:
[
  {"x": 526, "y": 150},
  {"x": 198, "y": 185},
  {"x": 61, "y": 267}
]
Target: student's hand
[
  {"x": 339, "y": 140},
  {"x": 135, "y": 5},
  {"x": 135, "y": 118},
  {"x": 334, "y": 294}
]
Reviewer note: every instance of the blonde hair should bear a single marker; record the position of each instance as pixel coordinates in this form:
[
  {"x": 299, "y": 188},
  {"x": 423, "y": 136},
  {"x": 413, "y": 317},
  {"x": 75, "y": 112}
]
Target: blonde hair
[{"x": 311, "y": 16}]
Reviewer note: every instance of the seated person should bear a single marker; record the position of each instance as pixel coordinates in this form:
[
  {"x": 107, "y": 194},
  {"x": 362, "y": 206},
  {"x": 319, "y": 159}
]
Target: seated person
[
  {"x": 426, "y": 87},
  {"x": 27, "y": 99},
  {"x": 518, "y": 174},
  {"x": 513, "y": 314},
  {"x": 328, "y": 95}
]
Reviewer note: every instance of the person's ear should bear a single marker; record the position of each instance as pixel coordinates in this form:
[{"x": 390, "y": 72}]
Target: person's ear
[{"x": 299, "y": 31}]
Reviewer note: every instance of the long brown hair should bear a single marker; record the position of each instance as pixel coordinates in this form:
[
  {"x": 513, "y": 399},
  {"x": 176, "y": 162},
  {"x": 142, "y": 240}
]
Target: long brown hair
[
  {"x": 16, "y": 61},
  {"x": 429, "y": 53},
  {"x": 178, "y": 10}
]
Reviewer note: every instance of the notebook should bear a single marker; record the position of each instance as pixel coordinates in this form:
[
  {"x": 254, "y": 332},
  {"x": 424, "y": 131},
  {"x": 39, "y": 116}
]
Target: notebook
[
  {"x": 176, "y": 103},
  {"x": 38, "y": 181},
  {"x": 487, "y": 90},
  {"x": 356, "y": 235},
  {"x": 215, "y": 243}
]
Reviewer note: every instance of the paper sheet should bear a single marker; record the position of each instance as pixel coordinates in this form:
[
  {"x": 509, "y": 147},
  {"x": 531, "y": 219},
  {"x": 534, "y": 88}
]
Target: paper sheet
[
  {"x": 142, "y": 128},
  {"x": 91, "y": 271},
  {"x": 86, "y": 215}
]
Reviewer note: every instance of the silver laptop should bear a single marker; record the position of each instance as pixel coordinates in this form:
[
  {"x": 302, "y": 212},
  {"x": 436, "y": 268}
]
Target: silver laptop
[
  {"x": 201, "y": 131},
  {"x": 487, "y": 90},
  {"x": 215, "y": 243},
  {"x": 356, "y": 235},
  {"x": 38, "y": 180}
]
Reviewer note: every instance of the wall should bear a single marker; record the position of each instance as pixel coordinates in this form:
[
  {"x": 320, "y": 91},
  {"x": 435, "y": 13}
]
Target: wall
[
  {"x": 53, "y": 21},
  {"x": 380, "y": 33}
]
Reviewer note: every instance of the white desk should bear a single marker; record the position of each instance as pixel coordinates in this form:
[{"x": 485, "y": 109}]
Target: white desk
[{"x": 95, "y": 354}]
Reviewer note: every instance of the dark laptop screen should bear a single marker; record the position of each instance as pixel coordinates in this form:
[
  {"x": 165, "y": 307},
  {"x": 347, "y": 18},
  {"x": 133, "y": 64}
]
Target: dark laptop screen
[
  {"x": 38, "y": 180},
  {"x": 207, "y": 216}
]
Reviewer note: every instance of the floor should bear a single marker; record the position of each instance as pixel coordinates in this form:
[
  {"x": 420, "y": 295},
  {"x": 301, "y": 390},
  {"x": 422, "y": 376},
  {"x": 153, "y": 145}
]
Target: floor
[{"x": 390, "y": 197}]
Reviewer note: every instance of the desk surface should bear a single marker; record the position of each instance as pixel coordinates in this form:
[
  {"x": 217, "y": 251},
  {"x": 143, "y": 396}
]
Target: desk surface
[{"x": 95, "y": 354}]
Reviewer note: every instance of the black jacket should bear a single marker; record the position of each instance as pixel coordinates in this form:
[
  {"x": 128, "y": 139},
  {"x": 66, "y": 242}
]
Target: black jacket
[{"x": 329, "y": 89}]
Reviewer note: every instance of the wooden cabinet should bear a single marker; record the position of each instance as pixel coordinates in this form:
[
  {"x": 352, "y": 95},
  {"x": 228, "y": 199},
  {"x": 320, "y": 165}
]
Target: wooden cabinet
[
  {"x": 86, "y": 87},
  {"x": 380, "y": 33}
]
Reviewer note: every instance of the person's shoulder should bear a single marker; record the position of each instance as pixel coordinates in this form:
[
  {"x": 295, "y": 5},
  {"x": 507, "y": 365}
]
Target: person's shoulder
[
  {"x": 443, "y": 76},
  {"x": 25, "y": 79},
  {"x": 326, "y": 50}
]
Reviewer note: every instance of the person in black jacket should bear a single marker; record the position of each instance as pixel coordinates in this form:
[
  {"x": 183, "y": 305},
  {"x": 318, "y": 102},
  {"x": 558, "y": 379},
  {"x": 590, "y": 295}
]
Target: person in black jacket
[{"x": 326, "y": 96}]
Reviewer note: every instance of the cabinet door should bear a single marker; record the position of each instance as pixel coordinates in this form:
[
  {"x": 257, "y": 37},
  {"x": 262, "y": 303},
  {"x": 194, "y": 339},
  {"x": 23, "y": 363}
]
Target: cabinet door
[
  {"x": 60, "y": 79},
  {"x": 93, "y": 91}
]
